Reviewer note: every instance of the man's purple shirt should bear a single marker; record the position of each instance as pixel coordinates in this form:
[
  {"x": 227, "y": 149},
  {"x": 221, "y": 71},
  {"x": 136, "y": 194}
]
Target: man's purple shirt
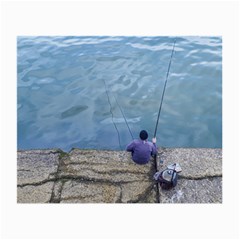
[{"x": 141, "y": 150}]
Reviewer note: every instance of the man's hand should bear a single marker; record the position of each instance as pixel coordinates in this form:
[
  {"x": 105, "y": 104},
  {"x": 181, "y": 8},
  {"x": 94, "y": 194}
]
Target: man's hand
[{"x": 154, "y": 140}]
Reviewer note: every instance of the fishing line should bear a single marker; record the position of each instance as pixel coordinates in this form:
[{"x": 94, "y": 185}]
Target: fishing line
[
  {"x": 124, "y": 118},
  {"x": 112, "y": 114},
  {"x": 160, "y": 107}
]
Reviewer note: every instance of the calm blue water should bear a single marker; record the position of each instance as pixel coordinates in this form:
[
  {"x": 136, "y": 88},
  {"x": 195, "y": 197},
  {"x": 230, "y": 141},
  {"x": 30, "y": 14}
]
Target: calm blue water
[{"x": 62, "y": 100}]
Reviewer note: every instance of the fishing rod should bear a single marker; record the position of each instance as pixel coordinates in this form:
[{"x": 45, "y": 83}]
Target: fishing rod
[
  {"x": 124, "y": 118},
  {"x": 159, "y": 112},
  {"x": 160, "y": 107}
]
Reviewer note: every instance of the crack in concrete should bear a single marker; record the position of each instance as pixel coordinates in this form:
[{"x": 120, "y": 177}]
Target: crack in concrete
[
  {"x": 200, "y": 177},
  {"x": 144, "y": 195},
  {"x": 56, "y": 198},
  {"x": 75, "y": 178},
  {"x": 56, "y": 175},
  {"x": 24, "y": 170},
  {"x": 36, "y": 184}
]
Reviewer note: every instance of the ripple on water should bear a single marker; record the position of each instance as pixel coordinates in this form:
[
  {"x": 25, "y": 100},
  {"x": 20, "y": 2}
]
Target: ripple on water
[
  {"x": 110, "y": 120},
  {"x": 159, "y": 47},
  {"x": 46, "y": 80}
]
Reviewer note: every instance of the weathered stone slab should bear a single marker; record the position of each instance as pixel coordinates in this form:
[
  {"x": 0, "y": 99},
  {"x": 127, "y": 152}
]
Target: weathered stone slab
[
  {"x": 200, "y": 180},
  {"x": 104, "y": 166},
  {"x": 87, "y": 192},
  {"x": 35, "y": 194},
  {"x": 90, "y": 192},
  {"x": 35, "y": 166},
  {"x": 195, "y": 163},
  {"x": 208, "y": 190},
  {"x": 105, "y": 176},
  {"x": 138, "y": 192},
  {"x": 94, "y": 176}
]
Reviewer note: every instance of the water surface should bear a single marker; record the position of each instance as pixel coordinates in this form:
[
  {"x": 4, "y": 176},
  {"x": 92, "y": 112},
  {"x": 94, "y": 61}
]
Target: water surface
[{"x": 62, "y": 100}]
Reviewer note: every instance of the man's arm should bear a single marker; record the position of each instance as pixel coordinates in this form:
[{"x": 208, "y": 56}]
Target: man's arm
[{"x": 130, "y": 146}]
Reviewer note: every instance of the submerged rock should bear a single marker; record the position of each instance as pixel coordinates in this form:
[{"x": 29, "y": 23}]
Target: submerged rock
[
  {"x": 98, "y": 176},
  {"x": 73, "y": 111}
]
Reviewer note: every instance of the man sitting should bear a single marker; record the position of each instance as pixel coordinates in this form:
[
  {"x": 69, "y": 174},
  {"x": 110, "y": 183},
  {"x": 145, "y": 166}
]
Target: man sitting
[{"x": 141, "y": 149}]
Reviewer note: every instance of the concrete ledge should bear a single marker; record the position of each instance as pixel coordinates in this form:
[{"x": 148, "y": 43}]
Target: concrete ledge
[{"x": 98, "y": 176}]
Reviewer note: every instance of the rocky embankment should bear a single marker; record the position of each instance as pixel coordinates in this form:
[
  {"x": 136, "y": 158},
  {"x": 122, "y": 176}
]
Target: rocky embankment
[{"x": 98, "y": 176}]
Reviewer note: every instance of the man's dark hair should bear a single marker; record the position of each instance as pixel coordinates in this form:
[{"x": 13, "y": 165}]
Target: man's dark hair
[{"x": 143, "y": 135}]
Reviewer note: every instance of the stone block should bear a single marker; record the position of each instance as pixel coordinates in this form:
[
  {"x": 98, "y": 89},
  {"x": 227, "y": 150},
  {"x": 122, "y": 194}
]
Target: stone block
[{"x": 35, "y": 194}]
